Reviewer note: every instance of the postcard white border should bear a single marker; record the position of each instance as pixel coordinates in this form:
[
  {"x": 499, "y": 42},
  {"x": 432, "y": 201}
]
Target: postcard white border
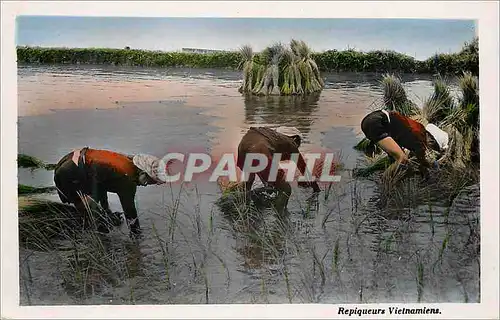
[{"x": 485, "y": 12}]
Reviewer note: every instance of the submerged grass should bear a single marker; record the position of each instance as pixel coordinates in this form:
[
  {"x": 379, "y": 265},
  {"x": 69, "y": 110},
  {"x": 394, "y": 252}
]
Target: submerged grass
[{"x": 87, "y": 261}]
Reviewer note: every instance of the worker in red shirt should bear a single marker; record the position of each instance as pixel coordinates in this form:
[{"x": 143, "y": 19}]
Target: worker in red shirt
[
  {"x": 93, "y": 173},
  {"x": 392, "y": 131}
]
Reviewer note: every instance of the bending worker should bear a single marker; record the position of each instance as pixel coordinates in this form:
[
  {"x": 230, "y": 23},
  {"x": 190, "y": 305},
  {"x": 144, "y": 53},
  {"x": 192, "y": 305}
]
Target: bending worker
[
  {"x": 93, "y": 173},
  {"x": 392, "y": 131},
  {"x": 268, "y": 141}
]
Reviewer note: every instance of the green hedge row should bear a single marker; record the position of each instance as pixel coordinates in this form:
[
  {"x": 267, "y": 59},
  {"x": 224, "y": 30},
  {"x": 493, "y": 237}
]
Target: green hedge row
[{"x": 332, "y": 60}]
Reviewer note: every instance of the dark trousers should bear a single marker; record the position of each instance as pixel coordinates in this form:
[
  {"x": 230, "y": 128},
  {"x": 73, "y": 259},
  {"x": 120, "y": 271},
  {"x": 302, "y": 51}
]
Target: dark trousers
[{"x": 73, "y": 185}]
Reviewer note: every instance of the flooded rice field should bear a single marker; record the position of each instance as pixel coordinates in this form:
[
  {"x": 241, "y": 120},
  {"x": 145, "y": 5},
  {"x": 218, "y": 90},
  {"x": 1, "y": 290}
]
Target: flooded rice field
[{"x": 200, "y": 248}]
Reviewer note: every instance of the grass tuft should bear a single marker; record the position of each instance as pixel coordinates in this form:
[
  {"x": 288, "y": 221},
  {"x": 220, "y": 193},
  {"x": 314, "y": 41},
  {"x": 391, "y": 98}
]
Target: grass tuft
[{"x": 26, "y": 161}]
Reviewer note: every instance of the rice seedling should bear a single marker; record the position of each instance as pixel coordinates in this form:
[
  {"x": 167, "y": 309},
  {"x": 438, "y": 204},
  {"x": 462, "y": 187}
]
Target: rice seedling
[
  {"x": 247, "y": 66},
  {"x": 420, "y": 281},
  {"x": 443, "y": 247},
  {"x": 280, "y": 70},
  {"x": 25, "y": 189},
  {"x": 369, "y": 148},
  {"x": 395, "y": 98},
  {"x": 164, "y": 253},
  {"x": 287, "y": 281},
  {"x": 336, "y": 255},
  {"x": 431, "y": 219},
  {"x": 41, "y": 220},
  {"x": 85, "y": 262},
  {"x": 376, "y": 163},
  {"x": 462, "y": 125},
  {"x": 26, "y": 161},
  {"x": 438, "y": 106}
]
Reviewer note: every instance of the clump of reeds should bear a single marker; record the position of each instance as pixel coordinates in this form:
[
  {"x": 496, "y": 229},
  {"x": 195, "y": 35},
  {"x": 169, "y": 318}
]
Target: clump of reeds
[
  {"x": 26, "y": 161},
  {"x": 395, "y": 98},
  {"x": 41, "y": 220},
  {"x": 438, "y": 106},
  {"x": 87, "y": 263},
  {"x": 280, "y": 70},
  {"x": 377, "y": 162},
  {"x": 33, "y": 163},
  {"x": 462, "y": 124}
]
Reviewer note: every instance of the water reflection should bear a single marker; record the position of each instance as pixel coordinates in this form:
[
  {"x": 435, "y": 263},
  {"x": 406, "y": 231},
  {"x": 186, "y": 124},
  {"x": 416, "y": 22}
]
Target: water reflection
[
  {"x": 360, "y": 246},
  {"x": 296, "y": 111},
  {"x": 259, "y": 231}
]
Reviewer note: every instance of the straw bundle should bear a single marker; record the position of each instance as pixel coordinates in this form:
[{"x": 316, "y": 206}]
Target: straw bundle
[{"x": 280, "y": 70}]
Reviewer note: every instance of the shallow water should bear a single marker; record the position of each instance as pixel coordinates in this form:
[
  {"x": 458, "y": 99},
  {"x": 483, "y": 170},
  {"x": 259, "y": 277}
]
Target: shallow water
[{"x": 341, "y": 251}]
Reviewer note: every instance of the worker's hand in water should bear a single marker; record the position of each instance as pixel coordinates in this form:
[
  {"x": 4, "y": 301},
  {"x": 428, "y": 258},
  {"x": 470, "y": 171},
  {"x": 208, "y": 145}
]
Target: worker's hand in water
[
  {"x": 307, "y": 184},
  {"x": 116, "y": 218},
  {"x": 135, "y": 229}
]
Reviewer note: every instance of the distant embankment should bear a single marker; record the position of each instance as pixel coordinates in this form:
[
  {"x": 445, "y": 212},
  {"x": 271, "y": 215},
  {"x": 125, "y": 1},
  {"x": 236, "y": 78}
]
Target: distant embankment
[{"x": 332, "y": 60}]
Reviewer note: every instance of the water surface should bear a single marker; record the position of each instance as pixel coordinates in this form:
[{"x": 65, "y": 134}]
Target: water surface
[{"x": 341, "y": 251}]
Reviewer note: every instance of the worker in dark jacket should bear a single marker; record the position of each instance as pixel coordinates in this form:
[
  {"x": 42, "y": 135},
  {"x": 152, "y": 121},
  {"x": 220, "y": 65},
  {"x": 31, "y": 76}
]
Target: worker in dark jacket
[
  {"x": 268, "y": 141},
  {"x": 392, "y": 131},
  {"x": 93, "y": 173}
]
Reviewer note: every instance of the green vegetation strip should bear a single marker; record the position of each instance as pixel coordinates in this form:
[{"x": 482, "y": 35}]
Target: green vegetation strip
[
  {"x": 26, "y": 161},
  {"x": 328, "y": 61}
]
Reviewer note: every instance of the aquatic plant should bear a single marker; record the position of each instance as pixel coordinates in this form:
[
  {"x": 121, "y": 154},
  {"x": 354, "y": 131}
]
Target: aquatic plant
[
  {"x": 375, "y": 163},
  {"x": 41, "y": 220},
  {"x": 462, "y": 124},
  {"x": 280, "y": 70},
  {"x": 26, "y": 161},
  {"x": 288, "y": 259},
  {"x": 438, "y": 106},
  {"x": 84, "y": 261},
  {"x": 25, "y": 189},
  {"x": 395, "y": 98}
]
